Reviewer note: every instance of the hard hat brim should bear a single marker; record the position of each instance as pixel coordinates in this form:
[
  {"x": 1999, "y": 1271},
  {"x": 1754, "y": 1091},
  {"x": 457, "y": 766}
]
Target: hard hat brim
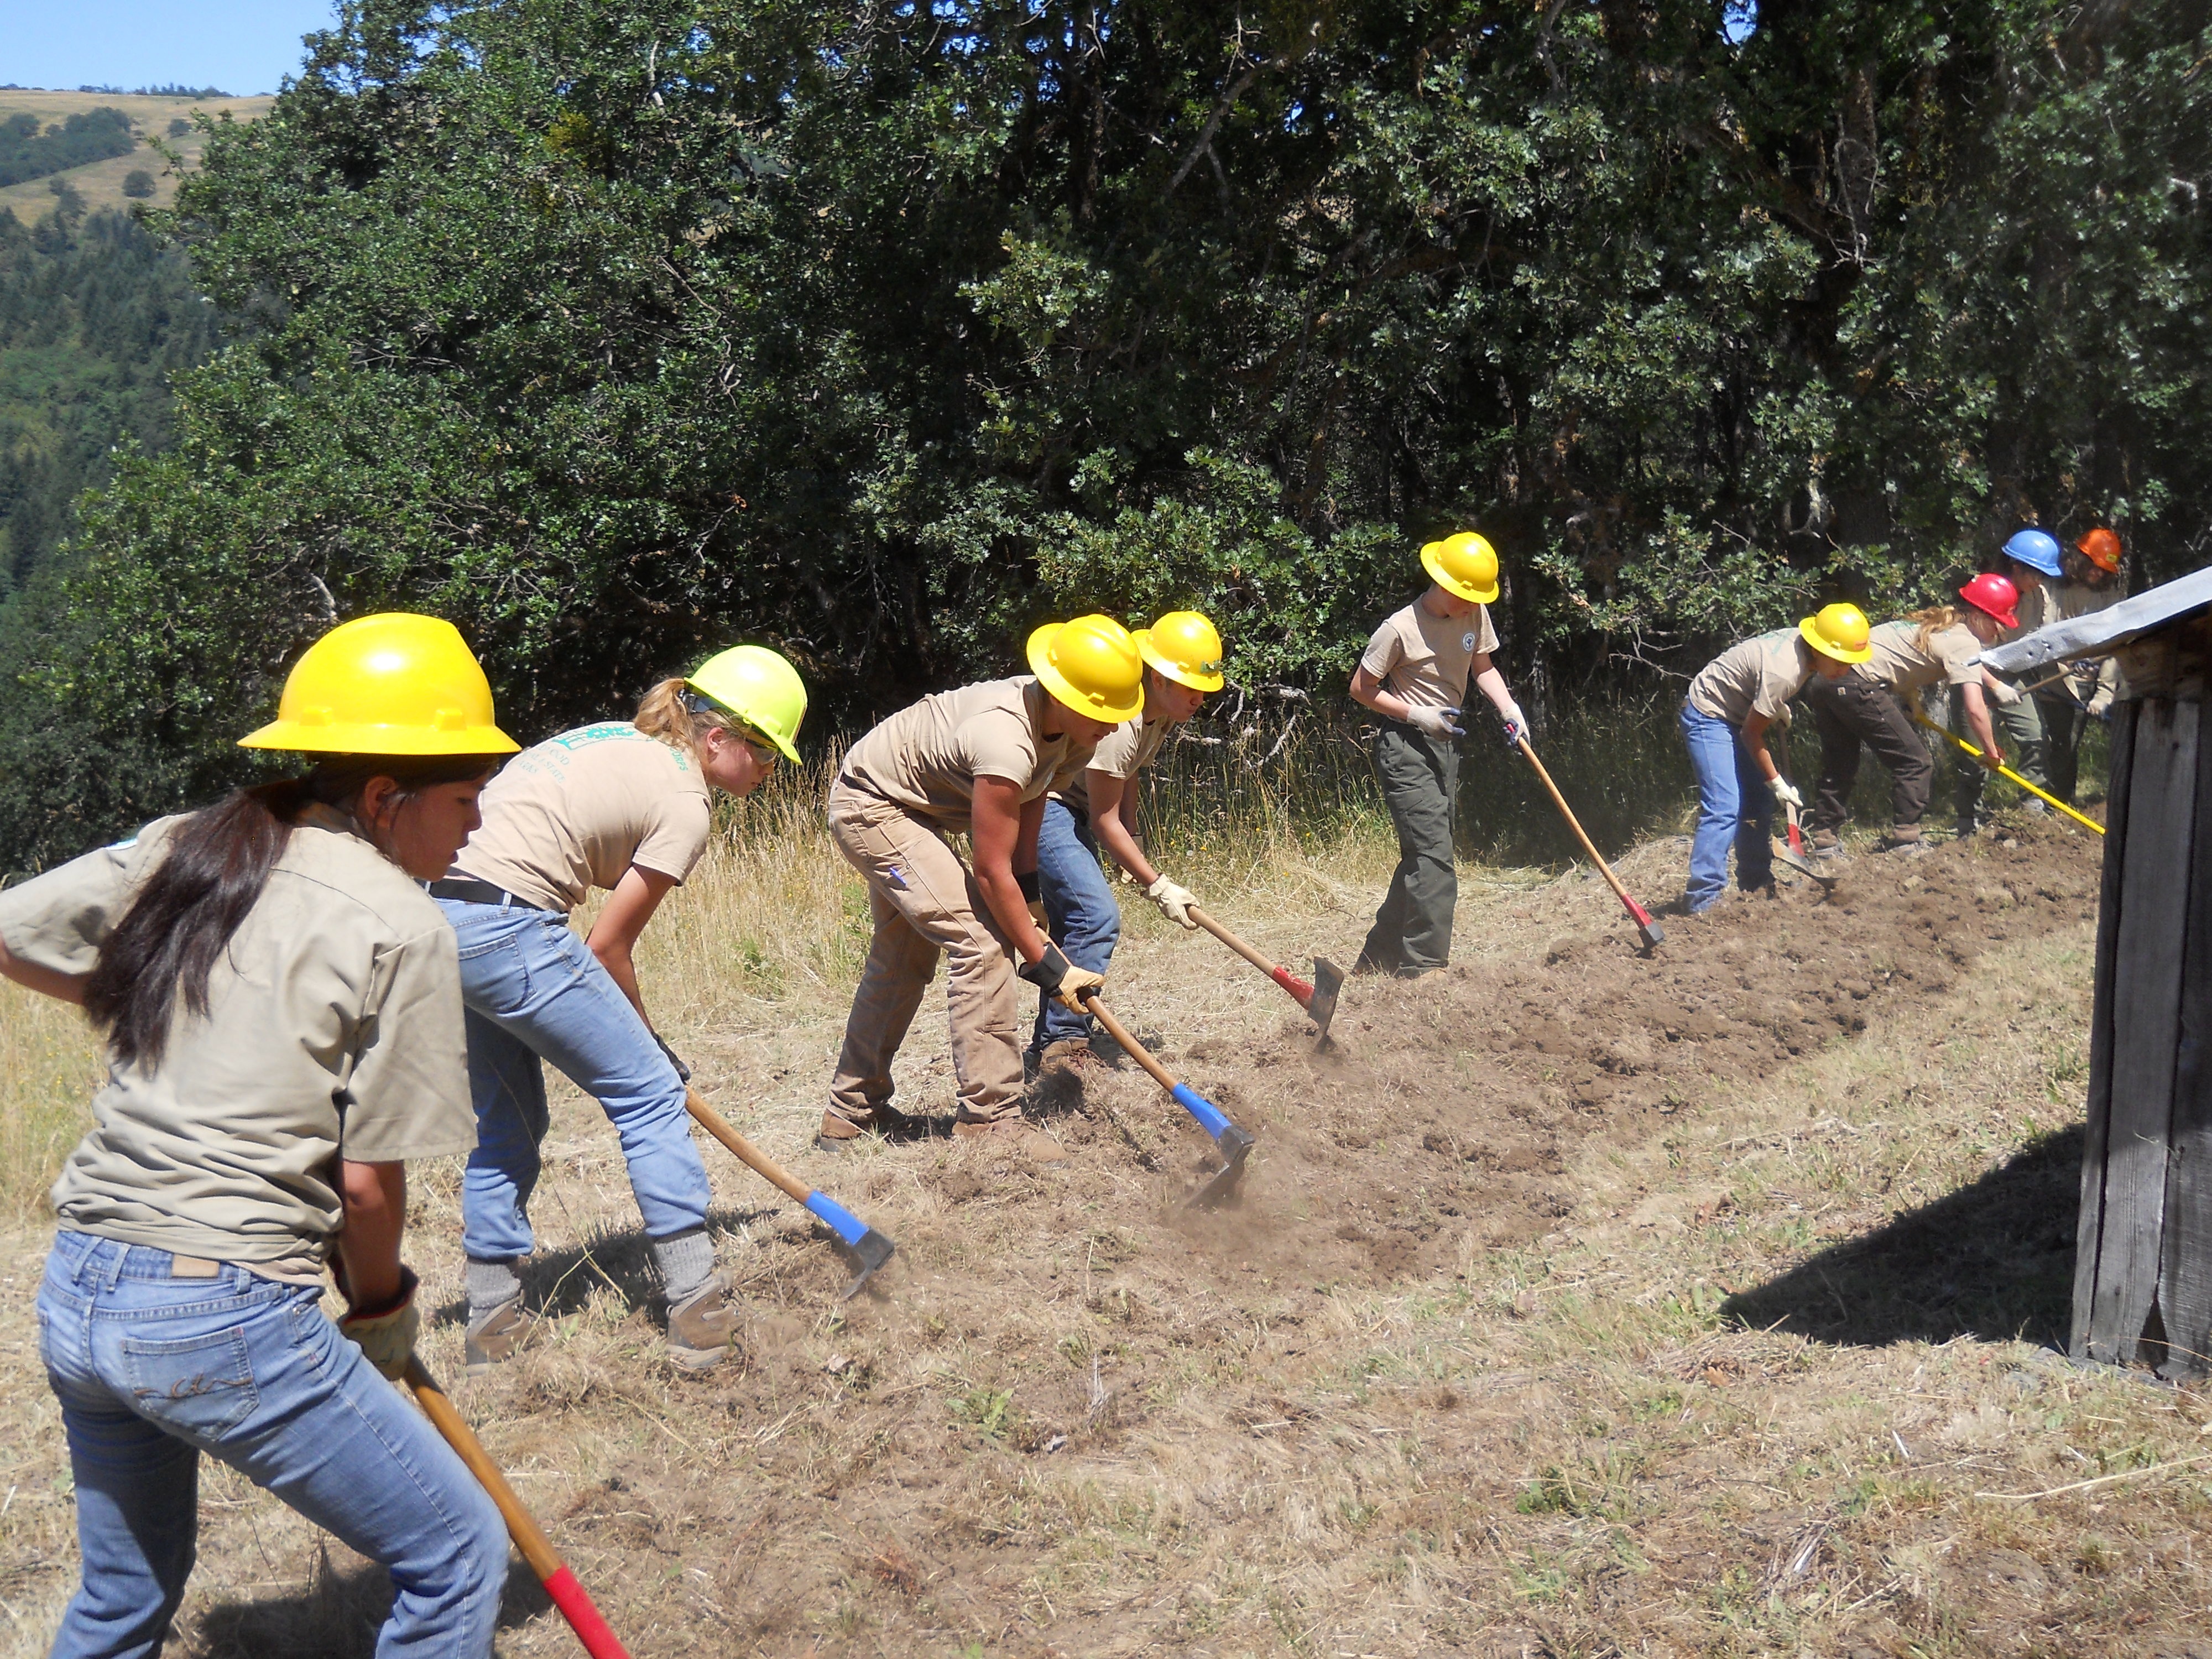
[
  {"x": 1812, "y": 637},
  {"x": 1039, "y": 653},
  {"x": 1176, "y": 672},
  {"x": 783, "y": 745},
  {"x": 1451, "y": 583},
  {"x": 298, "y": 738},
  {"x": 2010, "y": 618}
]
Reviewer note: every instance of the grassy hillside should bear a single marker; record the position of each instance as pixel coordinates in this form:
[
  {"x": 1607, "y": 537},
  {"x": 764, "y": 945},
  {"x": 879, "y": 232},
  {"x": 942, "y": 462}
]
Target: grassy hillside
[{"x": 100, "y": 183}]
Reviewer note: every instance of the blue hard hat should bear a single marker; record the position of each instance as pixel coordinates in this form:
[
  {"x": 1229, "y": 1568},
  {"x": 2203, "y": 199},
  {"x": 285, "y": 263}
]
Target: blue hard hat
[{"x": 2037, "y": 548}]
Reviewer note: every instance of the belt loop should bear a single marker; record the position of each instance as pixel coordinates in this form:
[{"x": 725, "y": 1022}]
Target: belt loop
[
  {"x": 83, "y": 1254},
  {"x": 115, "y": 1273}
]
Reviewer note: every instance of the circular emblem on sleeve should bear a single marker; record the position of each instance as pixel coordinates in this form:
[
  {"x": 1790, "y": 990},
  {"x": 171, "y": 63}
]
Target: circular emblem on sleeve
[{"x": 1467, "y": 641}]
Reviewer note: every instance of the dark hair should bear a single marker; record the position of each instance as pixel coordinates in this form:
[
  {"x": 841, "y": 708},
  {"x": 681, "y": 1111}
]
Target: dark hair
[{"x": 218, "y": 859}]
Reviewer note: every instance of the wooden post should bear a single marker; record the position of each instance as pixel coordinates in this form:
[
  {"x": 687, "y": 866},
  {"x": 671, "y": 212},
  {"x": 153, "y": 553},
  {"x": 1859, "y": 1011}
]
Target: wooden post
[{"x": 2142, "y": 1276}]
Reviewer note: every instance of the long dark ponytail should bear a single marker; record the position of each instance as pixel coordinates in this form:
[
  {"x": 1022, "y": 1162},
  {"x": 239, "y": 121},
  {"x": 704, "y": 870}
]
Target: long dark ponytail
[{"x": 167, "y": 943}]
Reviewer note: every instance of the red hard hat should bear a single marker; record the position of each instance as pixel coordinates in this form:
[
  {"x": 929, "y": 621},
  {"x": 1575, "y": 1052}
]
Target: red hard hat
[
  {"x": 1994, "y": 595},
  {"x": 2101, "y": 548}
]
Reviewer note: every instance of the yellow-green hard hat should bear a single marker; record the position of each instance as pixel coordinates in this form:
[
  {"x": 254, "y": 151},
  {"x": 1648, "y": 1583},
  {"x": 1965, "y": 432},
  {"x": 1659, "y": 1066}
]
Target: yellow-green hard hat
[
  {"x": 1185, "y": 647},
  {"x": 1464, "y": 564},
  {"x": 395, "y": 684},
  {"x": 761, "y": 687},
  {"x": 1092, "y": 666}
]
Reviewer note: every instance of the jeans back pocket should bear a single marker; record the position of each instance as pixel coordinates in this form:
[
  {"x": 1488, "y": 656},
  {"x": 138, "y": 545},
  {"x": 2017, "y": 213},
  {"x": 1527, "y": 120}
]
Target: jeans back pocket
[{"x": 200, "y": 1386}]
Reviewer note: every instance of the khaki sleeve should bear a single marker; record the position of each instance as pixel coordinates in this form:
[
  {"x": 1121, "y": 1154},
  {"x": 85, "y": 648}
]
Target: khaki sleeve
[
  {"x": 1777, "y": 685},
  {"x": 1485, "y": 636},
  {"x": 1386, "y": 649},
  {"x": 408, "y": 1096},
  {"x": 677, "y": 839},
  {"x": 59, "y": 920},
  {"x": 996, "y": 743},
  {"x": 1953, "y": 647},
  {"x": 1119, "y": 753}
]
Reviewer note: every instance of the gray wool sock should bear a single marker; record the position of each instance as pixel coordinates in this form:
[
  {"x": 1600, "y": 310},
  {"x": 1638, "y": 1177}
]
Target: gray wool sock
[
  {"x": 491, "y": 1285},
  {"x": 687, "y": 1262}
]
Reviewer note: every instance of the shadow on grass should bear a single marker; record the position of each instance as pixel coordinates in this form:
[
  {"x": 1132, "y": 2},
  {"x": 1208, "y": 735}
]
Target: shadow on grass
[
  {"x": 1994, "y": 1261},
  {"x": 336, "y": 1615}
]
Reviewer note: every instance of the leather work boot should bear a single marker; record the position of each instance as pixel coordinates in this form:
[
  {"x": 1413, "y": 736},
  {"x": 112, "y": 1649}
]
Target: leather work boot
[
  {"x": 1075, "y": 1053},
  {"x": 499, "y": 1335},
  {"x": 1013, "y": 1135},
  {"x": 837, "y": 1134},
  {"x": 702, "y": 1328},
  {"x": 1899, "y": 840}
]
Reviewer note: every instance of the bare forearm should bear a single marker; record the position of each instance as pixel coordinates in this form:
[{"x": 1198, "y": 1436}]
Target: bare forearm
[
  {"x": 1121, "y": 847},
  {"x": 1011, "y": 910},
  {"x": 622, "y": 967},
  {"x": 1754, "y": 738},
  {"x": 47, "y": 981},
  {"x": 1492, "y": 685},
  {"x": 1367, "y": 691},
  {"x": 374, "y": 1197}
]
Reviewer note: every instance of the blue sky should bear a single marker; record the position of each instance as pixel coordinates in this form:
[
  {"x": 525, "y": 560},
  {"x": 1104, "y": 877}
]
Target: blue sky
[{"x": 241, "y": 45}]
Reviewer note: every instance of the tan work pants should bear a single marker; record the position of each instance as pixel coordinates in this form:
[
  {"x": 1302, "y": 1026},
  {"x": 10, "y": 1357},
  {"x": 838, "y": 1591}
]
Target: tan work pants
[{"x": 923, "y": 901}]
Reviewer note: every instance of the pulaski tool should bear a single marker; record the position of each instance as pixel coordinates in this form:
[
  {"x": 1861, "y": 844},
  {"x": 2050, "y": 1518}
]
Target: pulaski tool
[
  {"x": 1235, "y": 1144},
  {"x": 1650, "y": 930},
  {"x": 1318, "y": 999},
  {"x": 869, "y": 1247},
  {"x": 575, "y": 1604}
]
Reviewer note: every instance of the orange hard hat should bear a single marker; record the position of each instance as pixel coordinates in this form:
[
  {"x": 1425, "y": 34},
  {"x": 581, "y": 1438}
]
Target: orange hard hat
[{"x": 2101, "y": 548}]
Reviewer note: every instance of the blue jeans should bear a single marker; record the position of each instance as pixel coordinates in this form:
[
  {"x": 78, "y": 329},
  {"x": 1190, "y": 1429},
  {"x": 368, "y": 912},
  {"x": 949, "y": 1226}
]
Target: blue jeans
[
  {"x": 535, "y": 992},
  {"x": 1733, "y": 804},
  {"x": 1080, "y": 911},
  {"x": 152, "y": 1370}
]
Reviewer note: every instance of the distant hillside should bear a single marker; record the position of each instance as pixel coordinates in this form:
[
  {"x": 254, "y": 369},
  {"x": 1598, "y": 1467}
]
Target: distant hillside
[{"x": 98, "y": 175}]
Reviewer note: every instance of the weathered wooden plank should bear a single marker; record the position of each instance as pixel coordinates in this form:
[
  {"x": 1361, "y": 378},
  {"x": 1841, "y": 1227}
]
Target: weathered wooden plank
[
  {"x": 2145, "y": 1025},
  {"x": 2184, "y": 1292},
  {"x": 2089, "y": 1229}
]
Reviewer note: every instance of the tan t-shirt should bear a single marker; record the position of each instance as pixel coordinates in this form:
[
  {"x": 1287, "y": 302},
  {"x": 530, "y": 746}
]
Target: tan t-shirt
[
  {"x": 2039, "y": 607},
  {"x": 1423, "y": 659},
  {"x": 1900, "y": 663},
  {"x": 1122, "y": 753},
  {"x": 579, "y": 810},
  {"x": 333, "y": 1028},
  {"x": 926, "y": 758},
  {"x": 1758, "y": 675}
]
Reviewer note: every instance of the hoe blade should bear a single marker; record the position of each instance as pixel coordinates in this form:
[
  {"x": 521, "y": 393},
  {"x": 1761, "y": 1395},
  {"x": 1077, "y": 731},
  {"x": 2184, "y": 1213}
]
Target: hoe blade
[
  {"x": 1235, "y": 1146},
  {"x": 871, "y": 1250},
  {"x": 1328, "y": 981}
]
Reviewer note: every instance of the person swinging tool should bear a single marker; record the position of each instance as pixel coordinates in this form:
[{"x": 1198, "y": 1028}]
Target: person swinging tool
[
  {"x": 624, "y": 806},
  {"x": 979, "y": 760},
  {"x": 2032, "y": 565},
  {"x": 1414, "y": 675},
  {"x": 1183, "y": 663},
  {"x": 282, "y": 1015},
  {"x": 1732, "y": 701},
  {"x": 1868, "y": 706},
  {"x": 2091, "y": 581}
]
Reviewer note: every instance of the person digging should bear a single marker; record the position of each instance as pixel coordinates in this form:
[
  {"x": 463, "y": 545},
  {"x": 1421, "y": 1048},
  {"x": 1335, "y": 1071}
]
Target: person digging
[
  {"x": 1413, "y": 676},
  {"x": 2091, "y": 581},
  {"x": 978, "y": 761},
  {"x": 1732, "y": 701},
  {"x": 2032, "y": 565},
  {"x": 1097, "y": 810},
  {"x": 625, "y": 806},
  {"x": 1868, "y": 707}
]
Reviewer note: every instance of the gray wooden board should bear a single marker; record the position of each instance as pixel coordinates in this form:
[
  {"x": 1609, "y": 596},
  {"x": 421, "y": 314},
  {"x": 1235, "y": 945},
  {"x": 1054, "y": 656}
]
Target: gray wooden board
[
  {"x": 2089, "y": 1229},
  {"x": 2184, "y": 1289},
  {"x": 2105, "y": 631},
  {"x": 2145, "y": 1025}
]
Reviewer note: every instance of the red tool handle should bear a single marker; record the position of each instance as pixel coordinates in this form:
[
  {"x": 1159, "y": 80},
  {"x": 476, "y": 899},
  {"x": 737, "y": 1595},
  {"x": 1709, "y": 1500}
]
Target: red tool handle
[
  {"x": 1290, "y": 982},
  {"x": 1282, "y": 977},
  {"x": 584, "y": 1618}
]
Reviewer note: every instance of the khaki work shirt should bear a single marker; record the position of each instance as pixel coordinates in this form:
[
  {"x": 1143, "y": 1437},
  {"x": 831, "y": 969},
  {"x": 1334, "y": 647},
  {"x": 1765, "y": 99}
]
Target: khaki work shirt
[
  {"x": 333, "y": 1028},
  {"x": 1122, "y": 753},
  {"x": 2039, "y": 607},
  {"x": 1422, "y": 659},
  {"x": 577, "y": 810},
  {"x": 926, "y": 758},
  {"x": 1758, "y": 676},
  {"x": 1900, "y": 663}
]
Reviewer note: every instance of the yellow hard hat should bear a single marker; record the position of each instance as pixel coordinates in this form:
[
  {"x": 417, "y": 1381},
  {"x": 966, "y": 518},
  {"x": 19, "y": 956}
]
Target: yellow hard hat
[
  {"x": 1185, "y": 647},
  {"x": 761, "y": 687},
  {"x": 1464, "y": 564},
  {"x": 391, "y": 685},
  {"x": 1092, "y": 666},
  {"x": 1839, "y": 631}
]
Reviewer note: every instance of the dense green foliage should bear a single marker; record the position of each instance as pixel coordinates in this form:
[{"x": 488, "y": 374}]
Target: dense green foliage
[
  {"x": 28, "y": 152},
  {"x": 879, "y": 330}
]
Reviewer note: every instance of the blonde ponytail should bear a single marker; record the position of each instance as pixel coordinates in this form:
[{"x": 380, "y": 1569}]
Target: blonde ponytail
[
  {"x": 671, "y": 713},
  {"x": 1933, "y": 621}
]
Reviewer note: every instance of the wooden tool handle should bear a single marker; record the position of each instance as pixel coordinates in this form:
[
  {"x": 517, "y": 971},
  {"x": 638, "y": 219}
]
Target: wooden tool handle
[
  {"x": 1566, "y": 812},
  {"x": 755, "y": 1159},
  {"x": 1231, "y": 940},
  {"x": 1130, "y": 1046}
]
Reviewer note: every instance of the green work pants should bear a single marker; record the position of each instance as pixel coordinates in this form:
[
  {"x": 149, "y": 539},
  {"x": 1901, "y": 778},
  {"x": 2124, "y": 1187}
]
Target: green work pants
[
  {"x": 1412, "y": 934},
  {"x": 2062, "y": 723},
  {"x": 2020, "y": 734}
]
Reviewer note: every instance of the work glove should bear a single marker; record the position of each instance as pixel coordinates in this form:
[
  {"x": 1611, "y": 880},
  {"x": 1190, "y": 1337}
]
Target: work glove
[
  {"x": 2100, "y": 702},
  {"x": 1056, "y": 977},
  {"x": 682, "y": 1072},
  {"x": 1174, "y": 902},
  {"x": 1785, "y": 792},
  {"x": 1442, "y": 724},
  {"x": 1516, "y": 723},
  {"x": 2003, "y": 693},
  {"x": 386, "y": 1334}
]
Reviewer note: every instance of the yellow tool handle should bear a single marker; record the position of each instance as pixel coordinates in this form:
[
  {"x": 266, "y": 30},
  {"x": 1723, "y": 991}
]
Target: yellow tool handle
[
  {"x": 1573, "y": 823},
  {"x": 529, "y": 1537},
  {"x": 1231, "y": 940},
  {"x": 2007, "y": 772},
  {"x": 1130, "y": 1046},
  {"x": 755, "y": 1159}
]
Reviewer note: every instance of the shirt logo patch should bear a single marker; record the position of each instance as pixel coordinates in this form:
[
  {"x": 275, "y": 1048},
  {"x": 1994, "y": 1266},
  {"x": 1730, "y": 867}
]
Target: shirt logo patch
[{"x": 1467, "y": 641}]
